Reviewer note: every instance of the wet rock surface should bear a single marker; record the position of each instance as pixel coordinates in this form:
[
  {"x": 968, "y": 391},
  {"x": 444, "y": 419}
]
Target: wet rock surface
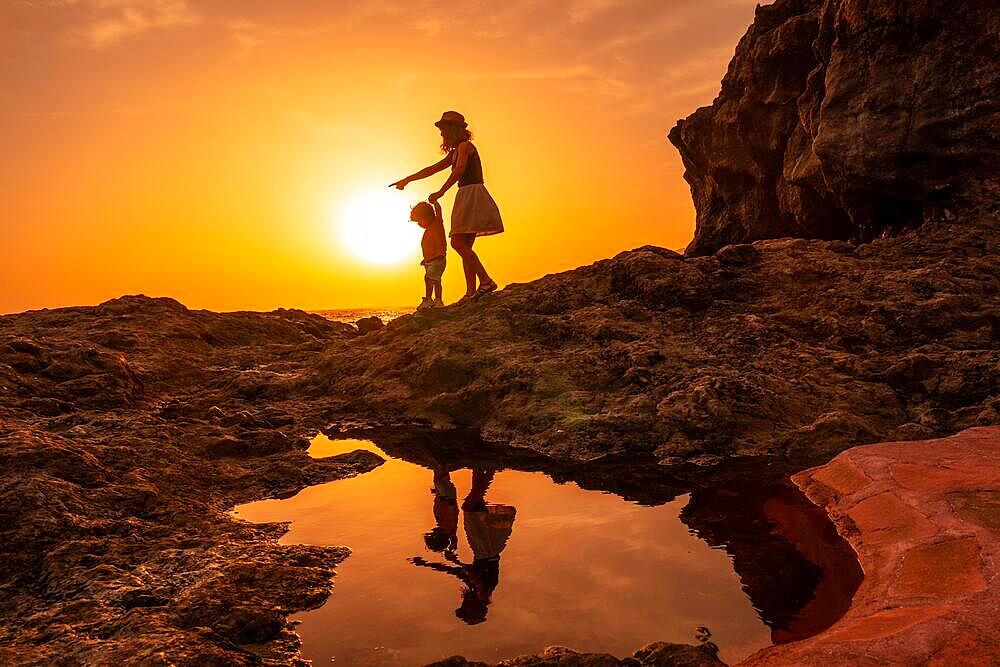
[
  {"x": 840, "y": 119},
  {"x": 923, "y": 518}
]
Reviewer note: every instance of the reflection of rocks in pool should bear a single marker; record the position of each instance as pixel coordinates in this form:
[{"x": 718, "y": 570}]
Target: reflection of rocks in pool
[
  {"x": 797, "y": 571},
  {"x": 604, "y": 571}
]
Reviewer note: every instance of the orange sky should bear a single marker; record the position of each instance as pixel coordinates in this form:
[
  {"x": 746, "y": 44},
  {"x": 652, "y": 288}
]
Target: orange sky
[{"x": 202, "y": 150}]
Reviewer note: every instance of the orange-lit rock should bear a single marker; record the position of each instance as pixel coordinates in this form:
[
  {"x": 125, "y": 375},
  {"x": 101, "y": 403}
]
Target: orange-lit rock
[{"x": 930, "y": 552}]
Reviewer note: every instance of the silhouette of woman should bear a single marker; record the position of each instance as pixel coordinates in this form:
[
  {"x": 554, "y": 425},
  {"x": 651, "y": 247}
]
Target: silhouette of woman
[
  {"x": 474, "y": 213},
  {"x": 487, "y": 528}
]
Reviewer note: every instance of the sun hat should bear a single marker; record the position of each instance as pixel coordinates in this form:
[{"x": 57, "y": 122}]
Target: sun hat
[{"x": 452, "y": 118}]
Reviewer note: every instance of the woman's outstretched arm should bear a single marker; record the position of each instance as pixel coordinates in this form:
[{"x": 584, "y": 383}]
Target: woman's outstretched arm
[
  {"x": 459, "y": 571},
  {"x": 464, "y": 150},
  {"x": 440, "y": 165}
]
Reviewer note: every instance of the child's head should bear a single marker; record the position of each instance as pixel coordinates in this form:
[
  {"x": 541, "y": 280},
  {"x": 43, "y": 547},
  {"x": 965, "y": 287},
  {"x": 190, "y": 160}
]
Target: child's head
[
  {"x": 422, "y": 214},
  {"x": 440, "y": 540}
]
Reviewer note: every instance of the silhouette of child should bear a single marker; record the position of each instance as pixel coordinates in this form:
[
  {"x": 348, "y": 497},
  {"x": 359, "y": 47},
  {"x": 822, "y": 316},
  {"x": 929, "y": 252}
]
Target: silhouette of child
[
  {"x": 435, "y": 250},
  {"x": 444, "y": 536}
]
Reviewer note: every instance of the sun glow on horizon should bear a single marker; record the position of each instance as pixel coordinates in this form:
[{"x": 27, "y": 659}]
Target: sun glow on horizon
[
  {"x": 375, "y": 227},
  {"x": 254, "y": 176}
]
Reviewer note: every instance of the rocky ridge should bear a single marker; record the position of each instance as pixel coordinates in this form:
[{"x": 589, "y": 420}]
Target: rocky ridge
[{"x": 781, "y": 347}]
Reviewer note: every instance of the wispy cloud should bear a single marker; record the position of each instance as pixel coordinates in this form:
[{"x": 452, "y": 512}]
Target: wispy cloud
[
  {"x": 581, "y": 11},
  {"x": 107, "y": 22}
]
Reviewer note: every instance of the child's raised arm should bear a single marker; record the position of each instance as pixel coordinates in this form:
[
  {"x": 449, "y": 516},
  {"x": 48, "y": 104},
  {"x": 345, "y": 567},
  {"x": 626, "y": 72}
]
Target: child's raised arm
[
  {"x": 440, "y": 165},
  {"x": 438, "y": 216}
]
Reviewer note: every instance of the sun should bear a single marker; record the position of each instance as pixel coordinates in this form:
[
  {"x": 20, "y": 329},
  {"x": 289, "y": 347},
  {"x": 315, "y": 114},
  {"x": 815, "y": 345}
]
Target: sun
[{"x": 375, "y": 226}]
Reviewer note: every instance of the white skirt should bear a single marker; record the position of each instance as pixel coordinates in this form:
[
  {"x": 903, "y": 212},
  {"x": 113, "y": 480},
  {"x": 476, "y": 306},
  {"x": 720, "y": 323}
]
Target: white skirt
[{"x": 475, "y": 212}]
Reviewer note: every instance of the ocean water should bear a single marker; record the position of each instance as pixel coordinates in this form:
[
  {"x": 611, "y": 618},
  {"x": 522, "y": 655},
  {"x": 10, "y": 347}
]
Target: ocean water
[{"x": 351, "y": 315}]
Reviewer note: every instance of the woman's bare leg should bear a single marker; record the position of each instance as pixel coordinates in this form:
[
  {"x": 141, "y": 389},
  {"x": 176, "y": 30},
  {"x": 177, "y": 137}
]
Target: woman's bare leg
[
  {"x": 462, "y": 243},
  {"x": 478, "y": 268}
]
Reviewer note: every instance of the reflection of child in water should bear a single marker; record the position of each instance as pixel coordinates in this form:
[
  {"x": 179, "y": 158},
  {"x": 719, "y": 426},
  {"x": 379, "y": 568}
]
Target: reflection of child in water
[
  {"x": 487, "y": 528},
  {"x": 444, "y": 535}
]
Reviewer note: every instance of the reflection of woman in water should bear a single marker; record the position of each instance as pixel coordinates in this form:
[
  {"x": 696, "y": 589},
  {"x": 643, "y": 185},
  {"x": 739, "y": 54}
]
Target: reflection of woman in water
[{"x": 487, "y": 528}]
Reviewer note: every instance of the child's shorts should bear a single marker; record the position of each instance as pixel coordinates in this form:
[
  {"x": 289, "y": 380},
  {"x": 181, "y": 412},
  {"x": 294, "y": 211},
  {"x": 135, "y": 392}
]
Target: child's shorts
[{"x": 434, "y": 269}]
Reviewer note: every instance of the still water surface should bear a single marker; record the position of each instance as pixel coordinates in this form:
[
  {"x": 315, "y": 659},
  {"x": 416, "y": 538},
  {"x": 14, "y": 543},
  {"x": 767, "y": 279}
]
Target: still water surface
[{"x": 519, "y": 562}]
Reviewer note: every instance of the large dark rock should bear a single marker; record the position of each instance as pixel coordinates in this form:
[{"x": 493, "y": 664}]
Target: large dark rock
[{"x": 841, "y": 119}]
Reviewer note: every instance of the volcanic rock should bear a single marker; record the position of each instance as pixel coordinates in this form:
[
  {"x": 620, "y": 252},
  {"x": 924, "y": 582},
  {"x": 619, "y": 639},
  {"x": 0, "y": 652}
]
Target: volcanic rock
[
  {"x": 125, "y": 438},
  {"x": 369, "y": 324},
  {"x": 839, "y": 119}
]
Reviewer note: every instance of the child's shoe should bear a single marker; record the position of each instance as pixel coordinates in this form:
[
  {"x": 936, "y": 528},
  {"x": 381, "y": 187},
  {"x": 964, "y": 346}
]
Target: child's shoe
[
  {"x": 437, "y": 303},
  {"x": 425, "y": 303}
]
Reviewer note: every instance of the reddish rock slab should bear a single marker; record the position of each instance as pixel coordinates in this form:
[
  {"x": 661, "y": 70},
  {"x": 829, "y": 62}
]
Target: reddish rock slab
[
  {"x": 924, "y": 527},
  {"x": 946, "y": 569}
]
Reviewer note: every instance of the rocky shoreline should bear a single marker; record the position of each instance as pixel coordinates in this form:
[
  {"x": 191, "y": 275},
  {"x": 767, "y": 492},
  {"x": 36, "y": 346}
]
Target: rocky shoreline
[{"x": 842, "y": 289}]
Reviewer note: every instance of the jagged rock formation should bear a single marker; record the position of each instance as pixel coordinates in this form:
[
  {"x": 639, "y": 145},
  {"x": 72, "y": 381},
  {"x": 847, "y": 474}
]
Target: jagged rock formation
[
  {"x": 840, "y": 119},
  {"x": 129, "y": 429}
]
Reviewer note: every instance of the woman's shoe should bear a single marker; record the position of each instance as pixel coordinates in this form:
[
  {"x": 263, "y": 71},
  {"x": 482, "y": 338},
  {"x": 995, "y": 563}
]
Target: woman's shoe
[
  {"x": 425, "y": 303},
  {"x": 464, "y": 300},
  {"x": 485, "y": 288}
]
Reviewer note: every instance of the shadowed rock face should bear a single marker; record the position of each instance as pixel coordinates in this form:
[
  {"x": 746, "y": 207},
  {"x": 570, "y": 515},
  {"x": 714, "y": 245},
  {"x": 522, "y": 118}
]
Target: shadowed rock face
[
  {"x": 657, "y": 654},
  {"x": 129, "y": 429},
  {"x": 840, "y": 119}
]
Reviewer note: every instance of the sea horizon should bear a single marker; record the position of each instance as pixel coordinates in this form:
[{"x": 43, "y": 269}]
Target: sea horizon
[{"x": 351, "y": 315}]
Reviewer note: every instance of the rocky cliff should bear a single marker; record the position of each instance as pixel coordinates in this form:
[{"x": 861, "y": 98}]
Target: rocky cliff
[{"x": 841, "y": 119}]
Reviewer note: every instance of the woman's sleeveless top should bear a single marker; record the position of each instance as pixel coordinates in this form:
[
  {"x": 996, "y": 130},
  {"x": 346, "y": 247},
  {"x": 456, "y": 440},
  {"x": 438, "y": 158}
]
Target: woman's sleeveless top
[{"x": 473, "y": 169}]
